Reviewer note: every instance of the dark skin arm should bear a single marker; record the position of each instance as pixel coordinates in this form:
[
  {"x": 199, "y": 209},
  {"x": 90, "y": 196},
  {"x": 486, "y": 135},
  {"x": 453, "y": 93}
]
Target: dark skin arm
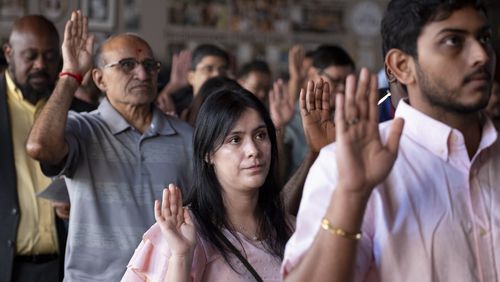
[
  {"x": 319, "y": 131},
  {"x": 46, "y": 141}
]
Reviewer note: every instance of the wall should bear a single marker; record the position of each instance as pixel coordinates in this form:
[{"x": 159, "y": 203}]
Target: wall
[{"x": 169, "y": 26}]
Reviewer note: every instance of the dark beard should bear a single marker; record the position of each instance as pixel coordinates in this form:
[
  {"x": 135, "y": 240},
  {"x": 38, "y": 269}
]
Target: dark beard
[
  {"x": 29, "y": 93},
  {"x": 446, "y": 99}
]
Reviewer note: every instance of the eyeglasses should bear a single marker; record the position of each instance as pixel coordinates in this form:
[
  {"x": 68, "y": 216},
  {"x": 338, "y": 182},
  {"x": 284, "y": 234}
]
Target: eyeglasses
[
  {"x": 209, "y": 69},
  {"x": 127, "y": 65},
  {"x": 335, "y": 82}
]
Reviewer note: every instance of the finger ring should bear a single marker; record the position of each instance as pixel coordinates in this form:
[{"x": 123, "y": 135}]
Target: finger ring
[{"x": 352, "y": 121}]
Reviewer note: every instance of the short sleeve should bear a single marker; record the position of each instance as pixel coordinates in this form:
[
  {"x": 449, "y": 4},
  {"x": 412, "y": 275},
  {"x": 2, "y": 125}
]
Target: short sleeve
[{"x": 150, "y": 259}]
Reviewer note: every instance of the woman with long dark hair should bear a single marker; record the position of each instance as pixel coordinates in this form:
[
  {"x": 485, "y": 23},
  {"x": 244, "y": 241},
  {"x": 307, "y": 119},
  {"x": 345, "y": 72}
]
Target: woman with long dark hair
[{"x": 234, "y": 227}]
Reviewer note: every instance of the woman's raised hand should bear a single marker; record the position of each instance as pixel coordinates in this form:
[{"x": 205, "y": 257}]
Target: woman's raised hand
[{"x": 175, "y": 222}]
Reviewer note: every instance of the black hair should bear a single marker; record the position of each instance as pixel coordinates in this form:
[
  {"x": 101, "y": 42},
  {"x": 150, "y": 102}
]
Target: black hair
[
  {"x": 204, "y": 50},
  {"x": 404, "y": 20},
  {"x": 254, "y": 65},
  {"x": 217, "y": 116},
  {"x": 331, "y": 55},
  {"x": 209, "y": 87}
]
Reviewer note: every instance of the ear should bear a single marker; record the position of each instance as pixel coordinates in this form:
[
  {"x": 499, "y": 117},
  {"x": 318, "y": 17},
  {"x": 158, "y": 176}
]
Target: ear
[
  {"x": 99, "y": 82},
  {"x": 208, "y": 159},
  {"x": 7, "y": 51},
  {"x": 190, "y": 77},
  {"x": 399, "y": 65}
]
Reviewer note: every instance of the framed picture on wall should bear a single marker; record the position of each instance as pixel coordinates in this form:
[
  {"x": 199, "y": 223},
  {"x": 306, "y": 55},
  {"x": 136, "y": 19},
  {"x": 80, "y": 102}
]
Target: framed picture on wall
[
  {"x": 54, "y": 9},
  {"x": 12, "y": 9},
  {"x": 101, "y": 14}
]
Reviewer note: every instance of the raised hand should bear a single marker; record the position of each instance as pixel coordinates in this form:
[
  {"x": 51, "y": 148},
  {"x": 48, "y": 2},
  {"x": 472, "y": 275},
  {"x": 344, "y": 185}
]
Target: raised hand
[
  {"x": 181, "y": 64},
  {"x": 279, "y": 104},
  {"x": 175, "y": 222},
  {"x": 77, "y": 45},
  {"x": 362, "y": 160},
  {"x": 319, "y": 128},
  {"x": 295, "y": 60}
]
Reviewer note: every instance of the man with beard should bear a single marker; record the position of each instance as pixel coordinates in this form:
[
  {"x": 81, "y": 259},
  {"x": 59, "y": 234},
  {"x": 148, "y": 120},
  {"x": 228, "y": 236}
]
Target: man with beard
[
  {"x": 115, "y": 160},
  {"x": 29, "y": 244},
  {"x": 435, "y": 217}
]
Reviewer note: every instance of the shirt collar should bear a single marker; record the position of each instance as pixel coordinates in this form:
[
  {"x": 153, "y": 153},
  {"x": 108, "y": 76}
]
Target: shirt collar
[
  {"x": 435, "y": 135},
  {"x": 117, "y": 123},
  {"x": 15, "y": 93}
]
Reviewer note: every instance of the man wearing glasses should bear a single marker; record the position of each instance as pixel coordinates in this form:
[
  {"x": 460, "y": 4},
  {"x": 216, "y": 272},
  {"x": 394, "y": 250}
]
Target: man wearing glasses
[
  {"x": 332, "y": 64},
  {"x": 116, "y": 160}
]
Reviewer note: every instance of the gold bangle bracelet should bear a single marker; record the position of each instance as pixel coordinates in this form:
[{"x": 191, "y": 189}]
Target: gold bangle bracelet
[{"x": 325, "y": 224}]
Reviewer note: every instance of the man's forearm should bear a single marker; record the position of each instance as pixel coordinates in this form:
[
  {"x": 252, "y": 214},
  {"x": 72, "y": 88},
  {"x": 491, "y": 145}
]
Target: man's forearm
[{"x": 46, "y": 140}]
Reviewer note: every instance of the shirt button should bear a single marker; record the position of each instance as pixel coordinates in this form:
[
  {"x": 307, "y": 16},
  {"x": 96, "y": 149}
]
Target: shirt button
[
  {"x": 14, "y": 211},
  {"x": 10, "y": 243},
  {"x": 483, "y": 232}
]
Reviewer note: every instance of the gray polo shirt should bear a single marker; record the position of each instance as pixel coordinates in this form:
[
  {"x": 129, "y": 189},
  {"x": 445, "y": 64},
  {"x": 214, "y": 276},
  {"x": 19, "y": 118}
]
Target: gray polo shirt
[{"x": 114, "y": 173}]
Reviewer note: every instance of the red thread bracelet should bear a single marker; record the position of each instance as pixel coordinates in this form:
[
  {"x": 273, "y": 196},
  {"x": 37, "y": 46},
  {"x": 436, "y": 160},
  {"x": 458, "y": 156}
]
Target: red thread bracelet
[{"x": 78, "y": 77}]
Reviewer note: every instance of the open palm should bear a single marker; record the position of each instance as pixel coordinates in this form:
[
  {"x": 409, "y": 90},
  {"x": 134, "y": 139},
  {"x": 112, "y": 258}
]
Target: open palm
[
  {"x": 175, "y": 222},
  {"x": 319, "y": 128},
  {"x": 362, "y": 160},
  {"x": 77, "y": 45}
]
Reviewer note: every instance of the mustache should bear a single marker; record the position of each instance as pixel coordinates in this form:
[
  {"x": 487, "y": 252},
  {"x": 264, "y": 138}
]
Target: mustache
[
  {"x": 38, "y": 74},
  {"x": 482, "y": 73}
]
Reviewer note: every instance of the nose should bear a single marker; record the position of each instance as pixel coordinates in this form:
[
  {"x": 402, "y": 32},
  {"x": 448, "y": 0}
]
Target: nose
[
  {"x": 251, "y": 149},
  {"x": 141, "y": 73},
  {"x": 39, "y": 62},
  {"x": 480, "y": 53}
]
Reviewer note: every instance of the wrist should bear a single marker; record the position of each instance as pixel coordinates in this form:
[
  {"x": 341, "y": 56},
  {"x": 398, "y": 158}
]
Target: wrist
[{"x": 71, "y": 74}]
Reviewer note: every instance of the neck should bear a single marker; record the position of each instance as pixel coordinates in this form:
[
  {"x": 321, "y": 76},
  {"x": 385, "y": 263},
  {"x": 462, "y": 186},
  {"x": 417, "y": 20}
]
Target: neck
[
  {"x": 137, "y": 116},
  {"x": 469, "y": 124},
  {"x": 241, "y": 210}
]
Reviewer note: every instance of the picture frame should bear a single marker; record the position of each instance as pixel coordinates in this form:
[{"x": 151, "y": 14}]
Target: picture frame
[
  {"x": 54, "y": 10},
  {"x": 12, "y": 9},
  {"x": 101, "y": 14}
]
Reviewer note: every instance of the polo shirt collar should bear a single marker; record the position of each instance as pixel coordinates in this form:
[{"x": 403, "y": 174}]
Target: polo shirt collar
[
  {"x": 117, "y": 123},
  {"x": 160, "y": 123},
  {"x": 434, "y": 135}
]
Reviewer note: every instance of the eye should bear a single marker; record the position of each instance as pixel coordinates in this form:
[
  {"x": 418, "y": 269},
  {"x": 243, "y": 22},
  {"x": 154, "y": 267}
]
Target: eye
[
  {"x": 261, "y": 135},
  {"x": 485, "y": 39},
  {"x": 150, "y": 65},
  {"x": 50, "y": 56},
  {"x": 233, "y": 140},
  {"x": 29, "y": 55},
  {"x": 127, "y": 65},
  {"x": 453, "y": 41}
]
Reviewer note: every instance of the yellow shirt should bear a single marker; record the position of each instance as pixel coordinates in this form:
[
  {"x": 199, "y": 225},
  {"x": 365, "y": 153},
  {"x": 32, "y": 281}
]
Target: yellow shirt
[{"x": 36, "y": 233}]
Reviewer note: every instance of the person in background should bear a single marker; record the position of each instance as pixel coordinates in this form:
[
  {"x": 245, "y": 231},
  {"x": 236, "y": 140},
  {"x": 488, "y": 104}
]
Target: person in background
[
  {"x": 32, "y": 237},
  {"x": 116, "y": 160},
  {"x": 255, "y": 76}
]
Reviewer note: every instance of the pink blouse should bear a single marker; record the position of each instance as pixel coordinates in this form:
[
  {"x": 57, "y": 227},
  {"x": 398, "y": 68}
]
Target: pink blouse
[{"x": 150, "y": 260}]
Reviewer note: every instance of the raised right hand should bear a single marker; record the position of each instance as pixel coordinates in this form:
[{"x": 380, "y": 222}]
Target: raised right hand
[
  {"x": 319, "y": 128},
  {"x": 175, "y": 222},
  {"x": 363, "y": 161},
  {"x": 77, "y": 45}
]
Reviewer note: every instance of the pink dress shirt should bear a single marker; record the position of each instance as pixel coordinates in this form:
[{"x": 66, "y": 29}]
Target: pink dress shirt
[
  {"x": 150, "y": 260},
  {"x": 435, "y": 218}
]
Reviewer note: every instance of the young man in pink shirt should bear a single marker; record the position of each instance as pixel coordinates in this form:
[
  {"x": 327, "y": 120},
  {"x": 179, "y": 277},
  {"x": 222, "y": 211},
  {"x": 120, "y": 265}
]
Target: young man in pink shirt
[{"x": 435, "y": 216}]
